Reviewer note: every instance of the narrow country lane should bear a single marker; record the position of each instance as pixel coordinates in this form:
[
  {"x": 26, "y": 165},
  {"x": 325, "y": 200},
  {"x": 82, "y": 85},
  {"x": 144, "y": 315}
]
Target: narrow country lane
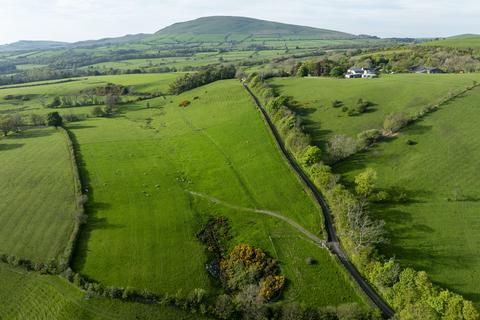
[{"x": 333, "y": 243}]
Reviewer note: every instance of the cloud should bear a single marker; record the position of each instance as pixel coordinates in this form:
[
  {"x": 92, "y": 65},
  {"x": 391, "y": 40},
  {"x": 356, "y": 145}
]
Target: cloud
[{"x": 73, "y": 20}]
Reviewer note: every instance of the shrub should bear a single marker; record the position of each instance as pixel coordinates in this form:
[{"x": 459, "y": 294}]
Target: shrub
[
  {"x": 37, "y": 119},
  {"x": 365, "y": 182},
  {"x": 98, "y": 112},
  {"x": 184, "y": 103},
  {"x": 71, "y": 117},
  {"x": 271, "y": 286},
  {"x": 297, "y": 141},
  {"x": 224, "y": 307},
  {"x": 337, "y": 104},
  {"x": 394, "y": 122},
  {"x": 246, "y": 265},
  {"x": 362, "y": 106},
  {"x": 368, "y": 137},
  {"x": 311, "y": 155}
]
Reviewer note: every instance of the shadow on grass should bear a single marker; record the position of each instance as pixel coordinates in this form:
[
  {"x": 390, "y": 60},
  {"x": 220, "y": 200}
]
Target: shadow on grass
[
  {"x": 94, "y": 223},
  {"x": 92, "y": 209},
  {"x": 10, "y": 146},
  {"x": 77, "y": 126},
  {"x": 30, "y": 133}
]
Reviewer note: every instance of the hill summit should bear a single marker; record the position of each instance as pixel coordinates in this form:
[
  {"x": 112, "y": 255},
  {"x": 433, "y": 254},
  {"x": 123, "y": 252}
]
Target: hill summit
[{"x": 226, "y": 25}]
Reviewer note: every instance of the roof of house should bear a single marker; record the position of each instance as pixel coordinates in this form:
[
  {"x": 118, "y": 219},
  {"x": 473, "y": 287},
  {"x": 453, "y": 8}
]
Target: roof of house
[{"x": 362, "y": 70}]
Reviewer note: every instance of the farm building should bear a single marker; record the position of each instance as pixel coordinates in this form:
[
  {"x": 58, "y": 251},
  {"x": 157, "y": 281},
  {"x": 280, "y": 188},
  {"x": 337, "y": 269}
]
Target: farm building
[
  {"x": 360, "y": 73},
  {"x": 428, "y": 70}
]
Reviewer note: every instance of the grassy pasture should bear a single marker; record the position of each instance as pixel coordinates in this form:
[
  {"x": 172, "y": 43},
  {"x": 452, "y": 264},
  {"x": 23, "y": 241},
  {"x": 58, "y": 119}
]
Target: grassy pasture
[
  {"x": 34, "y": 296},
  {"x": 42, "y": 93},
  {"x": 407, "y": 93},
  {"x": 432, "y": 231},
  {"x": 141, "y": 167},
  {"x": 37, "y": 206},
  {"x": 458, "y": 42}
]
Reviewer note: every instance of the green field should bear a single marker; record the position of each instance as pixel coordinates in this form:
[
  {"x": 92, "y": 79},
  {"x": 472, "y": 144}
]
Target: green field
[
  {"x": 37, "y": 209},
  {"x": 42, "y": 93},
  {"x": 459, "y": 42},
  {"x": 407, "y": 93},
  {"x": 143, "y": 218},
  {"x": 33, "y": 296},
  {"x": 431, "y": 231}
]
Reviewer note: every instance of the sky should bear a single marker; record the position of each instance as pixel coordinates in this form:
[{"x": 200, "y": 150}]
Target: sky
[{"x": 74, "y": 20}]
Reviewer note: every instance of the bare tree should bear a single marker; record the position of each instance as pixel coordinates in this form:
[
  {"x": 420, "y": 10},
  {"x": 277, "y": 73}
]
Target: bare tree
[
  {"x": 363, "y": 231},
  {"x": 340, "y": 147}
]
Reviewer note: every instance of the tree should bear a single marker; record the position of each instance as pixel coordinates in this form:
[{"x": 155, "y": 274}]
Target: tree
[
  {"x": 224, "y": 307},
  {"x": 340, "y": 147},
  {"x": 37, "y": 119},
  {"x": 110, "y": 101},
  {"x": 302, "y": 71},
  {"x": 98, "y": 112},
  {"x": 54, "y": 119},
  {"x": 337, "y": 71},
  {"x": 311, "y": 155},
  {"x": 17, "y": 122},
  {"x": 55, "y": 103},
  {"x": 362, "y": 230},
  {"x": 365, "y": 182},
  {"x": 6, "y": 125},
  {"x": 394, "y": 122}
]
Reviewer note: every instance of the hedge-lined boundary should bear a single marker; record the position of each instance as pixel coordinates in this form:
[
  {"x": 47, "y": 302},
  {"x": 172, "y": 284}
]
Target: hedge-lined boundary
[
  {"x": 409, "y": 292},
  {"x": 80, "y": 200}
]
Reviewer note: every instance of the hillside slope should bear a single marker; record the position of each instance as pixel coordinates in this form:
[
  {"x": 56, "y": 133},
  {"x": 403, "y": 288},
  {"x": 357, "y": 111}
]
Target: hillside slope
[{"x": 241, "y": 25}]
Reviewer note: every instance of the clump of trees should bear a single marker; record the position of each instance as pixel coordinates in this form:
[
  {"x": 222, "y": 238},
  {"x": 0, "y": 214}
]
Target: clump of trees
[
  {"x": 54, "y": 119},
  {"x": 191, "y": 81},
  {"x": 246, "y": 266},
  {"x": 11, "y": 123}
]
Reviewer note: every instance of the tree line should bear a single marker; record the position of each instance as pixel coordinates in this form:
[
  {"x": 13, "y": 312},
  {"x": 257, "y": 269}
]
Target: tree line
[{"x": 190, "y": 81}]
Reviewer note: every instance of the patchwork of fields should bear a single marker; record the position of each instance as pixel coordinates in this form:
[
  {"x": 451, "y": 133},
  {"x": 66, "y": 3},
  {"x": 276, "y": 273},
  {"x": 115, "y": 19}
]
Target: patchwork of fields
[
  {"x": 156, "y": 172},
  {"x": 142, "y": 168}
]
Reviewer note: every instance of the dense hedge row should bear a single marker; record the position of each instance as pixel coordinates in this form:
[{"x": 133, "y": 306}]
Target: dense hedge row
[
  {"x": 409, "y": 292},
  {"x": 81, "y": 199},
  {"x": 191, "y": 81}
]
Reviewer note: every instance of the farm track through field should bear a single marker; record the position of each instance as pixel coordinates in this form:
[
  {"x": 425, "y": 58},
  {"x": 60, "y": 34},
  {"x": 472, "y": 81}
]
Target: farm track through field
[
  {"x": 319, "y": 242},
  {"x": 333, "y": 243}
]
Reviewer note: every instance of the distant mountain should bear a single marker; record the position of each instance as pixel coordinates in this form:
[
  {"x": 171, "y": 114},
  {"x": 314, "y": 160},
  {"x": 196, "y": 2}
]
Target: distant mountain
[
  {"x": 130, "y": 38},
  {"x": 226, "y": 25},
  {"x": 26, "y": 45},
  {"x": 215, "y": 28}
]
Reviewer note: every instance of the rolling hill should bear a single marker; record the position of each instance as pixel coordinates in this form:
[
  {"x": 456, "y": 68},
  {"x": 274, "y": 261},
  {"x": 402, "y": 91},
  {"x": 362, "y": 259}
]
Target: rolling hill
[
  {"x": 28, "y": 45},
  {"x": 227, "y": 25},
  {"x": 463, "y": 41},
  {"x": 214, "y": 28}
]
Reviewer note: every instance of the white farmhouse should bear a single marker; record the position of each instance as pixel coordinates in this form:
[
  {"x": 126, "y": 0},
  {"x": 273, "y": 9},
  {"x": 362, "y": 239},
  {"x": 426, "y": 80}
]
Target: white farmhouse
[{"x": 360, "y": 73}]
